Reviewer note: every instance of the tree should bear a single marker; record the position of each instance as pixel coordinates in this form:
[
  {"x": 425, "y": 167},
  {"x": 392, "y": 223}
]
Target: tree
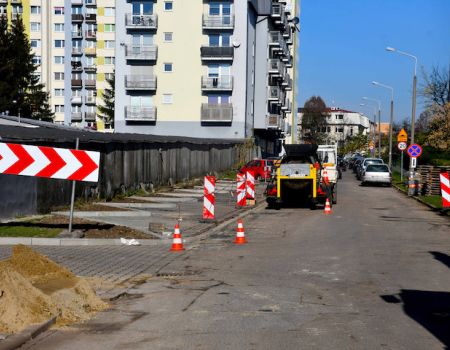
[
  {"x": 436, "y": 89},
  {"x": 108, "y": 98},
  {"x": 314, "y": 120},
  {"x": 6, "y": 64},
  {"x": 439, "y": 129}
]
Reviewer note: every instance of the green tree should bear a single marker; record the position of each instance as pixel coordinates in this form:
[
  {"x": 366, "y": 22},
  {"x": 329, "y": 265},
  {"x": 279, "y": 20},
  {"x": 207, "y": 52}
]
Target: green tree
[
  {"x": 107, "y": 111},
  {"x": 314, "y": 120},
  {"x": 6, "y": 65}
]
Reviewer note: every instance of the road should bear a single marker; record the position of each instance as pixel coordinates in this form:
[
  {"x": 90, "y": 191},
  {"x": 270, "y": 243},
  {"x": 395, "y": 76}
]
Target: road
[{"x": 373, "y": 275}]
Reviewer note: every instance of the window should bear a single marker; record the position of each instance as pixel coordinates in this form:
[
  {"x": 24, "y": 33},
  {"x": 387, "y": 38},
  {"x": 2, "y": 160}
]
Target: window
[
  {"x": 142, "y": 8},
  {"x": 110, "y": 28},
  {"x": 76, "y": 10},
  {"x": 168, "y": 36},
  {"x": 35, "y": 43},
  {"x": 59, "y": 59},
  {"x": 37, "y": 75},
  {"x": 90, "y": 2},
  {"x": 340, "y": 130},
  {"x": 59, "y": 76},
  {"x": 59, "y": 92},
  {"x": 110, "y": 44},
  {"x": 17, "y": 9},
  {"x": 109, "y": 76},
  {"x": 35, "y": 26},
  {"x": 36, "y": 60},
  {"x": 339, "y": 116},
  {"x": 59, "y": 108},
  {"x": 219, "y": 39},
  {"x": 59, "y": 27},
  {"x": 168, "y": 5},
  {"x": 109, "y": 60},
  {"x": 110, "y": 11},
  {"x": 58, "y": 10},
  {"x": 59, "y": 43},
  {"x": 218, "y": 99},
  {"x": 168, "y": 67},
  {"x": 167, "y": 99},
  {"x": 35, "y": 10}
]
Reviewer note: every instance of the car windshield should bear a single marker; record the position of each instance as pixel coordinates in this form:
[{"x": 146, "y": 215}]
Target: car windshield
[
  {"x": 374, "y": 161},
  {"x": 377, "y": 168}
]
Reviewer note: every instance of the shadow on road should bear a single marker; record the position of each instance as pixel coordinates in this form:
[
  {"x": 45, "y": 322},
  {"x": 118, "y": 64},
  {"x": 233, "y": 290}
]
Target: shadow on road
[
  {"x": 443, "y": 258},
  {"x": 428, "y": 308}
]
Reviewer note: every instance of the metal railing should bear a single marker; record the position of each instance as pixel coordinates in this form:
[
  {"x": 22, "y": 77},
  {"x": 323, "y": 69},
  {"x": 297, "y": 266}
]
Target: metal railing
[
  {"x": 222, "y": 82},
  {"x": 90, "y": 34},
  {"x": 273, "y": 121},
  {"x": 218, "y": 22},
  {"x": 77, "y": 17},
  {"x": 90, "y": 116},
  {"x": 77, "y": 50},
  {"x": 75, "y": 116},
  {"x": 138, "y": 113},
  {"x": 91, "y": 100},
  {"x": 91, "y": 51},
  {"x": 137, "y": 52},
  {"x": 90, "y": 68},
  {"x": 217, "y": 52},
  {"x": 287, "y": 82},
  {"x": 91, "y": 17},
  {"x": 77, "y": 35},
  {"x": 140, "y": 82},
  {"x": 141, "y": 21},
  {"x": 76, "y": 100},
  {"x": 274, "y": 93},
  {"x": 217, "y": 113},
  {"x": 90, "y": 83},
  {"x": 276, "y": 67},
  {"x": 77, "y": 82}
]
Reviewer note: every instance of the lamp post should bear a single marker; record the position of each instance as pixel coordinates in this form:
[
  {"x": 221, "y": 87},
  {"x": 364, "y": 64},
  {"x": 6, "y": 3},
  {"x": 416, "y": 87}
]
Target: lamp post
[
  {"x": 379, "y": 121},
  {"x": 18, "y": 111},
  {"x": 376, "y": 83}
]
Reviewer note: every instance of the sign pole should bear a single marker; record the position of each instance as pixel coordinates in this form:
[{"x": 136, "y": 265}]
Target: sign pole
[
  {"x": 401, "y": 167},
  {"x": 72, "y": 197}
]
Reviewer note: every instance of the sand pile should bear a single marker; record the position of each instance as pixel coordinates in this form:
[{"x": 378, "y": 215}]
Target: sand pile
[{"x": 33, "y": 289}]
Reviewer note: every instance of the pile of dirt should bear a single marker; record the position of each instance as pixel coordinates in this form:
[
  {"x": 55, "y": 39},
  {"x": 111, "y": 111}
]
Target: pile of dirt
[{"x": 33, "y": 289}]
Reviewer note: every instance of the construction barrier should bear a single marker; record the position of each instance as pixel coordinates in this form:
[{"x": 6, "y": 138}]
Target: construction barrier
[
  {"x": 445, "y": 189},
  {"x": 241, "y": 192},
  {"x": 250, "y": 185},
  {"x": 209, "y": 197}
]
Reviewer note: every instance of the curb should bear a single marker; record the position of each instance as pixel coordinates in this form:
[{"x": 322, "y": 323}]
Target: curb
[
  {"x": 418, "y": 200},
  {"x": 17, "y": 340},
  {"x": 73, "y": 241}
]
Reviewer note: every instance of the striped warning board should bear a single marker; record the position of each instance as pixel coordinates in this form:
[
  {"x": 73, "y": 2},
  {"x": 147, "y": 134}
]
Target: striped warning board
[
  {"x": 250, "y": 184},
  {"x": 209, "y": 197},
  {"x": 445, "y": 190},
  {"x": 241, "y": 191}
]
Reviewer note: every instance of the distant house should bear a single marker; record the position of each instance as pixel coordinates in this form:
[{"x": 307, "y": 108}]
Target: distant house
[
  {"x": 384, "y": 128},
  {"x": 340, "y": 124}
]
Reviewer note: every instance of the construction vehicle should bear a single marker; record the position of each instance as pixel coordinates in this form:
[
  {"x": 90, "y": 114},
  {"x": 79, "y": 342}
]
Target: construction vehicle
[
  {"x": 328, "y": 158},
  {"x": 299, "y": 179}
]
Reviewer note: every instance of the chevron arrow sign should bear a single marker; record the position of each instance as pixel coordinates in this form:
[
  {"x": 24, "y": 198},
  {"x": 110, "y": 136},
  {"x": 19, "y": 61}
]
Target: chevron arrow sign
[{"x": 54, "y": 163}]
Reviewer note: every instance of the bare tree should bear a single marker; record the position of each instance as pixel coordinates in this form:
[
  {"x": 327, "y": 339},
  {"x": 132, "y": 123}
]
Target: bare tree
[
  {"x": 436, "y": 90},
  {"x": 314, "y": 120}
]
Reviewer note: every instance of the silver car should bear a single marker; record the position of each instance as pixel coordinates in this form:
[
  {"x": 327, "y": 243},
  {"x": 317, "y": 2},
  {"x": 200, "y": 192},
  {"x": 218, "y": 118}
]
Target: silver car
[{"x": 377, "y": 173}]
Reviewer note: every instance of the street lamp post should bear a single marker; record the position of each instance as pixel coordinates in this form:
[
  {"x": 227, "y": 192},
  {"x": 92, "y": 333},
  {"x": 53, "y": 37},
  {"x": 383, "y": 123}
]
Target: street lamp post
[
  {"x": 391, "y": 117},
  {"x": 372, "y": 131},
  {"x": 379, "y": 122}
]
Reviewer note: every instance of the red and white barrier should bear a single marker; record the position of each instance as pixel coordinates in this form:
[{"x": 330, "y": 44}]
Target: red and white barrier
[
  {"x": 55, "y": 163},
  {"x": 209, "y": 197},
  {"x": 445, "y": 190},
  {"x": 241, "y": 192},
  {"x": 250, "y": 184}
]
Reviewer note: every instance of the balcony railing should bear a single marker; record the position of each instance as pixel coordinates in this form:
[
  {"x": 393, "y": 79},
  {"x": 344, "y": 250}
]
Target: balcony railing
[
  {"x": 77, "y": 35},
  {"x": 140, "y": 82},
  {"x": 76, "y": 100},
  {"x": 76, "y": 66},
  {"x": 140, "y": 114},
  {"x": 90, "y": 68},
  {"x": 90, "y": 51},
  {"x": 90, "y": 2},
  {"x": 276, "y": 39},
  {"x": 77, "y": 17},
  {"x": 218, "y": 22},
  {"x": 90, "y": 116},
  {"x": 91, "y": 100},
  {"x": 77, "y": 83},
  {"x": 287, "y": 82},
  {"x": 77, "y": 2},
  {"x": 277, "y": 10},
  {"x": 217, "y": 53},
  {"x": 16, "y": 1},
  {"x": 90, "y": 34},
  {"x": 216, "y": 113},
  {"x": 141, "y": 21},
  {"x": 220, "y": 83},
  {"x": 274, "y": 93},
  {"x": 76, "y": 50},
  {"x": 276, "y": 67},
  {"x": 76, "y": 116},
  {"x": 274, "y": 121},
  {"x": 89, "y": 83},
  {"x": 136, "y": 52},
  {"x": 91, "y": 17}
]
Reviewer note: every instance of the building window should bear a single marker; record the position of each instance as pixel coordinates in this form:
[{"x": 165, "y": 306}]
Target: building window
[
  {"x": 59, "y": 92},
  {"x": 59, "y": 108},
  {"x": 168, "y": 5},
  {"x": 168, "y": 67},
  {"x": 59, "y": 76},
  {"x": 167, "y": 99},
  {"x": 340, "y": 130},
  {"x": 218, "y": 99},
  {"x": 110, "y": 44},
  {"x": 59, "y": 59},
  {"x": 58, "y": 10},
  {"x": 109, "y": 76},
  {"x": 339, "y": 116},
  {"x": 35, "y": 43},
  {"x": 76, "y": 10},
  {"x": 168, "y": 37},
  {"x": 90, "y": 2},
  {"x": 36, "y": 60},
  {"x": 109, "y": 60},
  {"x": 59, "y": 27},
  {"x": 110, "y": 28},
  {"x": 110, "y": 11},
  {"x": 35, "y": 10},
  {"x": 35, "y": 26},
  {"x": 351, "y": 131},
  {"x": 219, "y": 39},
  {"x": 59, "y": 43}
]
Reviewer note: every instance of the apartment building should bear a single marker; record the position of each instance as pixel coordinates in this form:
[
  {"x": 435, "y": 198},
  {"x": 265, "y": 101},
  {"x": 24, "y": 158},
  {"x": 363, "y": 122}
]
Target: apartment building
[{"x": 205, "y": 68}]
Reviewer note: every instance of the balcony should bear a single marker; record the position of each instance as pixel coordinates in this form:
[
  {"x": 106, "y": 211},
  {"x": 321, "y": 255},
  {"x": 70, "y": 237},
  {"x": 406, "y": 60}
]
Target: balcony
[
  {"x": 77, "y": 18},
  {"x": 276, "y": 67},
  {"x": 90, "y": 34},
  {"x": 90, "y": 3},
  {"x": 288, "y": 62},
  {"x": 76, "y": 100},
  {"x": 91, "y": 100},
  {"x": 222, "y": 22},
  {"x": 286, "y": 106},
  {"x": 287, "y": 82},
  {"x": 278, "y": 14},
  {"x": 77, "y": 2},
  {"x": 220, "y": 83},
  {"x": 133, "y": 52},
  {"x": 15, "y": 16},
  {"x": 274, "y": 121},
  {"x": 140, "y": 114},
  {"x": 140, "y": 22},
  {"x": 276, "y": 39},
  {"x": 91, "y": 68},
  {"x": 77, "y": 83},
  {"x": 140, "y": 82},
  {"x": 274, "y": 93},
  {"x": 76, "y": 66},
  {"x": 216, "y": 113},
  {"x": 76, "y": 50},
  {"x": 90, "y": 84},
  {"x": 77, "y": 35},
  {"x": 16, "y": 2},
  {"x": 91, "y": 18},
  {"x": 217, "y": 53},
  {"x": 90, "y": 51},
  {"x": 75, "y": 116},
  {"x": 90, "y": 116}
]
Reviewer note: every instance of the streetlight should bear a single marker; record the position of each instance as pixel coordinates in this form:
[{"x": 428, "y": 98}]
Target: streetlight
[
  {"x": 413, "y": 112},
  {"x": 376, "y": 83},
  {"x": 372, "y": 151},
  {"x": 18, "y": 112},
  {"x": 379, "y": 121}
]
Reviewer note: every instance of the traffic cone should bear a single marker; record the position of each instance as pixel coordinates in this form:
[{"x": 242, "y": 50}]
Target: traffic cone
[
  {"x": 177, "y": 243},
  {"x": 327, "y": 209},
  {"x": 240, "y": 233}
]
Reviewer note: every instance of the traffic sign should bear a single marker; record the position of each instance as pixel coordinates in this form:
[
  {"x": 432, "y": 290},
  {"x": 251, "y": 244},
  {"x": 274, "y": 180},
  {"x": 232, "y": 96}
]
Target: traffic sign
[
  {"x": 402, "y": 136},
  {"x": 414, "y": 150},
  {"x": 402, "y": 146},
  {"x": 413, "y": 162}
]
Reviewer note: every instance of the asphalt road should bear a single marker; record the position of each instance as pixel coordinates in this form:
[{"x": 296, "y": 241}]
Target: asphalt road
[{"x": 373, "y": 275}]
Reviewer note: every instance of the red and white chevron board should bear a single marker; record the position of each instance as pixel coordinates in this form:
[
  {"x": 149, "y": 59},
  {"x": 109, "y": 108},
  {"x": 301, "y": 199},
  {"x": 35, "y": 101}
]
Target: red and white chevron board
[
  {"x": 445, "y": 189},
  {"x": 250, "y": 184},
  {"x": 241, "y": 192},
  {"x": 209, "y": 197},
  {"x": 54, "y": 163}
]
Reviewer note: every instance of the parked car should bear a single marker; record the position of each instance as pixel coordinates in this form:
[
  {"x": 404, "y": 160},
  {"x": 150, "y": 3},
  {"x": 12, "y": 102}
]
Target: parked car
[
  {"x": 377, "y": 173},
  {"x": 362, "y": 167},
  {"x": 261, "y": 168}
]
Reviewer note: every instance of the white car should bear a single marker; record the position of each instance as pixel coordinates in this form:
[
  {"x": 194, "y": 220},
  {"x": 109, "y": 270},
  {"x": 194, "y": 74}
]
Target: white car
[
  {"x": 377, "y": 173},
  {"x": 364, "y": 165}
]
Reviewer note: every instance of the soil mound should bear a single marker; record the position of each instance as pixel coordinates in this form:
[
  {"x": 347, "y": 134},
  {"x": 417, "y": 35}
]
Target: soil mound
[{"x": 33, "y": 289}]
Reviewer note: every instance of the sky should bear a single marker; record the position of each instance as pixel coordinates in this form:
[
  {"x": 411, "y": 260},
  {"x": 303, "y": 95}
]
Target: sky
[{"x": 342, "y": 50}]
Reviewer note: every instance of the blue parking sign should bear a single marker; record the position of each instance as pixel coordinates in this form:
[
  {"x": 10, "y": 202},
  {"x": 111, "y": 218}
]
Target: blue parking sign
[{"x": 414, "y": 150}]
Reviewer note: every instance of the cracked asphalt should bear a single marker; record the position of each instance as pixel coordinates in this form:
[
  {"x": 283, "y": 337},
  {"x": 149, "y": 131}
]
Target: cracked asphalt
[{"x": 373, "y": 275}]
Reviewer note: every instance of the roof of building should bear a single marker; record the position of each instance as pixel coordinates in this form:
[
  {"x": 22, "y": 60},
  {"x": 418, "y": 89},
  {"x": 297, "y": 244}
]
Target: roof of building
[{"x": 330, "y": 110}]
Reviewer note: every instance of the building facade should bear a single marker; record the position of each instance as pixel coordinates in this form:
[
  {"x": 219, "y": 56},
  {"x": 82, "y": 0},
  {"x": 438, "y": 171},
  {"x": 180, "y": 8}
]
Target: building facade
[{"x": 222, "y": 71}]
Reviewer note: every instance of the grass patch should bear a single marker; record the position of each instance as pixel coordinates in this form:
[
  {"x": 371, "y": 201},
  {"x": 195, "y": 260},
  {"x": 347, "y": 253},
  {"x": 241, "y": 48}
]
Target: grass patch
[
  {"x": 17, "y": 230},
  {"x": 396, "y": 181},
  {"x": 228, "y": 175},
  {"x": 435, "y": 200}
]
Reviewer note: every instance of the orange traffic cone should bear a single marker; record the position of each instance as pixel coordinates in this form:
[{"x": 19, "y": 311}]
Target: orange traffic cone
[
  {"x": 177, "y": 243},
  {"x": 240, "y": 233},
  {"x": 327, "y": 207}
]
